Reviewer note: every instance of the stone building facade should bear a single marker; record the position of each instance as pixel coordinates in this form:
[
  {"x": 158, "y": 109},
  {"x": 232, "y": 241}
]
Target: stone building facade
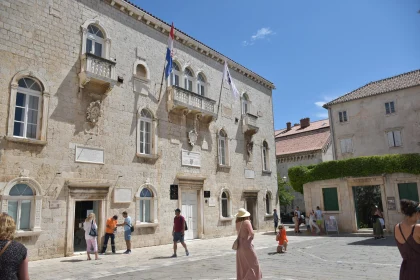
[
  {"x": 88, "y": 126},
  {"x": 382, "y": 117},
  {"x": 305, "y": 143}
]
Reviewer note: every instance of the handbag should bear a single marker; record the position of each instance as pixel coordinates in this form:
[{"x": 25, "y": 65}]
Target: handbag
[
  {"x": 131, "y": 228},
  {"x": 185, "y": 223},
  {"x": 92, "y": 231},
  {"x": 236, "y": 242},
  {"x": 5, "y": 247}
]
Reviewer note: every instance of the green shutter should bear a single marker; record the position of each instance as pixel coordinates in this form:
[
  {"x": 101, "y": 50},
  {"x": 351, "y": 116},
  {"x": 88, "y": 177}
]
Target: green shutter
[
  {"x": 330, "y": 199},
  {"x": 408, "y": 191}
]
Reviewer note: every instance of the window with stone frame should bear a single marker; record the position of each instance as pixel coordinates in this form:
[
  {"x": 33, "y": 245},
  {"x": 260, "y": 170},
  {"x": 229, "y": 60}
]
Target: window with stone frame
[
  {"x": 225, "y": 204},
  {"x": 95, "y": 40},
  {"x": 394, "y": 138},
  {"x": 145, "y": 132},
  {"x": 265, "y": 156},
  {"x": 223, "y": 148},
  {"x": 188, "y": 79},
  {"x": 225, "y": 200},
  {"x": 245, "y": 104},
  {"x": 22, "y": 200},
  {"x": 342, "y": 116},
  {"x": 175, "y": 74},
  {"x": 146, "y": 206},
  {"x": 268, "y": 203},
  {"x": 29, "y": 101},
  {"x": 201, "y": 84}
]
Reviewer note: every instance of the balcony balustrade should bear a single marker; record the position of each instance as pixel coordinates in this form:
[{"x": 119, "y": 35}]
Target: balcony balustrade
[
  {"x": 98, "y": 72},
  {"x": 249, "y": 124}
]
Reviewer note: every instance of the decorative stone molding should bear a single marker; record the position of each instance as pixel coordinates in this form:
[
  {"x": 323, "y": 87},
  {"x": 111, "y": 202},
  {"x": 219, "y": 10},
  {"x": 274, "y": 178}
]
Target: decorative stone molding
[
  {"x": 249, "y": 147},
  {"x": 192, "y": 137},
  {"x": 153, "y": 207},
  {"x": 93, "y": 112}
]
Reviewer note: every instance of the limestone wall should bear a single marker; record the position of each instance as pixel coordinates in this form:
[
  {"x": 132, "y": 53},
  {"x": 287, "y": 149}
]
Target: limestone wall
[{"x": 45, "y": 37}]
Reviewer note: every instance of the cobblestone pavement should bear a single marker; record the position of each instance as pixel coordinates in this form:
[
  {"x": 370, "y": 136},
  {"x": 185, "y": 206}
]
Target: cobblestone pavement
[{"x": 308, "y": 257}]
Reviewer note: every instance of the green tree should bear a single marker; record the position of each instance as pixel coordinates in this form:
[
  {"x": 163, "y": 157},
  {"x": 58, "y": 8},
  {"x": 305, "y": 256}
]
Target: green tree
[{"x": 285, "y": 192}]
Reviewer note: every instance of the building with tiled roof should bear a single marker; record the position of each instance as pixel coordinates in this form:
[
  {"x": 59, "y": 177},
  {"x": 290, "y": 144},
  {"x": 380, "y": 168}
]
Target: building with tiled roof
[
  {"x": 381, "y": 117},
  {"x": 305, "y": 143}
]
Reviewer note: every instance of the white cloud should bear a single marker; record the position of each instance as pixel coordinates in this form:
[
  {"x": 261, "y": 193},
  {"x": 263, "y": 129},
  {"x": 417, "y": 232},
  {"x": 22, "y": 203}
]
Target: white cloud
[
  {"x": 261, "y": 34},
  {"x": 320, "y": 103},
  {"x": 322, "y": 115},
  {"x": 320, "y": 111}
]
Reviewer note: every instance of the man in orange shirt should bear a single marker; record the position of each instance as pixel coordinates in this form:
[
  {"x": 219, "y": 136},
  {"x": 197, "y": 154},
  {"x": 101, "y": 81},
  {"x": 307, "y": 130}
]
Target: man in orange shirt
[{"x": 111, "y": 227}]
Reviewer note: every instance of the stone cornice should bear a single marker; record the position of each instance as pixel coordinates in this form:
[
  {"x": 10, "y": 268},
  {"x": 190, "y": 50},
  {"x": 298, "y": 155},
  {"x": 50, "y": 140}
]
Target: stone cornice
[{"x": 182, "y": 38}]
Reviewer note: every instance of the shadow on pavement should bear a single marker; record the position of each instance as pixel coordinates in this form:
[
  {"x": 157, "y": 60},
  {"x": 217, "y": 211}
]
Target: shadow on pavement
[
  {"x": 160, "y": 258},
  {"x": 269, "y": 233},
  {"x": 72, "y": 261},
  {"x": 389, "y": 241}
]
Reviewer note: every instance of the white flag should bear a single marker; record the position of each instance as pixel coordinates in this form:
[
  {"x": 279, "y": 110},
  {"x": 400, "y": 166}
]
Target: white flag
[{"x": 228, "y": 79}]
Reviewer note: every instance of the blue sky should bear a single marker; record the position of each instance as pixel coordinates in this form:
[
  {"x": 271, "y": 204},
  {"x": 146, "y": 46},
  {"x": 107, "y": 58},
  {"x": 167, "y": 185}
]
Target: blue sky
[{"x": 313, "y": 50}]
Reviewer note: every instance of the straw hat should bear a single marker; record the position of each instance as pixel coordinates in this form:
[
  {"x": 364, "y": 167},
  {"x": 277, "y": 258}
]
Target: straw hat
[
  {"x": 281, "y": 226},
  {"x": 242, "y": 213}
]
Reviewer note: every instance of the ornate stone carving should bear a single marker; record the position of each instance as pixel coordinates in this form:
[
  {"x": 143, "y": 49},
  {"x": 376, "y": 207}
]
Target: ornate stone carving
[
  {"x": 249, "y": 147},
  {"x": 192, "y": 137},
  {"x": 93, "y": 112}
]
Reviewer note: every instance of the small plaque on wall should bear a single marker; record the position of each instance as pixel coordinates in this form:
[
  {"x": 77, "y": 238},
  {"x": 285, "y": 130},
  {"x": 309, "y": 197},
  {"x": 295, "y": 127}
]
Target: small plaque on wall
[
  {"x": 89, "y": 155},
  {"x": 54, "y": 204},
  {"x": 391, "y": 203},
  {"x": 212, "y": 202},
  {"x": 191, "y": 158},
  {"x": 249, "y": 174},
  {"x": 173, "y": 192},
  {"x": 206, "y": 194},
  {"x": 123, "y": 195}
]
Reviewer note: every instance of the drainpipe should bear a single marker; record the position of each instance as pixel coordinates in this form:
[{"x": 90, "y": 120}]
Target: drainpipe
[{"x": 332, "y": 134}]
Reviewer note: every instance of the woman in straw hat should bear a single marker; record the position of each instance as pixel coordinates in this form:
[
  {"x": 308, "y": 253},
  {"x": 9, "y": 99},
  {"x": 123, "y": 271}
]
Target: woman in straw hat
[{"x": 247, "y": 266}]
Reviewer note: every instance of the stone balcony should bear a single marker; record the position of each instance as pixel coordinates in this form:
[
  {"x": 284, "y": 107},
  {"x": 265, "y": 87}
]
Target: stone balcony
[
  {"x": 249, "y": 124},
  {"x": 98, "y": 73},
  {"x": 181, "y": 100}
]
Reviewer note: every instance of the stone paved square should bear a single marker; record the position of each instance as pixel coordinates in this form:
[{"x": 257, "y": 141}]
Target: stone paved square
[{"x": 308, "y": 257}]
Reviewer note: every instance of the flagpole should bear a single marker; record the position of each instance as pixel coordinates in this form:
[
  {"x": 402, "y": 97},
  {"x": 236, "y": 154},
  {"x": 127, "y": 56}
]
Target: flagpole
[
  {"x": 161, "y": 81},
  {"x": 220, "y": 97}
]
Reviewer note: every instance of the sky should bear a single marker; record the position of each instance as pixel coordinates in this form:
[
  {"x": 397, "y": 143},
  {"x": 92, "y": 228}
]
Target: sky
[{"x": 312, "y": 50}]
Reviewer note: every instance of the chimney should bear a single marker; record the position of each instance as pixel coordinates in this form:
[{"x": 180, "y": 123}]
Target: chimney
[
  {"x": 289, "y": 126},
  {"x": 304, "y": 122}
]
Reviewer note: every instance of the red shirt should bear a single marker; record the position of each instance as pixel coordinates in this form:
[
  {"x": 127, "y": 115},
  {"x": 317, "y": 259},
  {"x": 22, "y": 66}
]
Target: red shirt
[{"x": 179, "y": 224}]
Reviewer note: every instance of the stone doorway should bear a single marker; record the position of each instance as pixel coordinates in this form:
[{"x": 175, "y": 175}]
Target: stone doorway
[
  {"x": 251, "y": 205},
  {"x": 81, "y": 195},
  {"x": 365, "y": 199},
  {"x": 82, "y": 210}
]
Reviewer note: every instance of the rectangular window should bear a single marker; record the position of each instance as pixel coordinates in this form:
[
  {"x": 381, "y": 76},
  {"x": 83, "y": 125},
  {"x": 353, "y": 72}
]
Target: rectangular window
[
  {"x": 175, "y": 80},
  {"x": 330, "y": 196},
  {"x": 222, "y": 155},
  {"x": 20, "y": 211},
  {"x": 89, "y": 46},
  {"x": 394, "y": 138},
  {"x": 145, "y": 211},
  {"x": 98, "y": 49},
  {"x": 224, "y": 207},
  {"x": 265, "y": 166},
  {"x": 389, "y": 107},
  {"x": 408, "y": 191},
  {"x": 342, "y": 116},
  {"x": 145, "y": 137},
  {"x": 26, "y": 116},
  {"x": 346, "y": 145}
]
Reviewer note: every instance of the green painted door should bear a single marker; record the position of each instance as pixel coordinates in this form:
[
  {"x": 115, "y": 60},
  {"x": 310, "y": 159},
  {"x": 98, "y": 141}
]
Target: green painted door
[{"x": 408, "y": 191}]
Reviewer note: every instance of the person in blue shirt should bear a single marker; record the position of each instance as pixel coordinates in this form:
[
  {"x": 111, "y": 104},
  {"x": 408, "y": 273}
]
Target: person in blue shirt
[{"x": 127, "y": 231}]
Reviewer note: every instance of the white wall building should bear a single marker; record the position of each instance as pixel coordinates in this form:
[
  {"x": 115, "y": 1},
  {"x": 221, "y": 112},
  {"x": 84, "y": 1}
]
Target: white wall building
[{"x": 86, "y": 125}]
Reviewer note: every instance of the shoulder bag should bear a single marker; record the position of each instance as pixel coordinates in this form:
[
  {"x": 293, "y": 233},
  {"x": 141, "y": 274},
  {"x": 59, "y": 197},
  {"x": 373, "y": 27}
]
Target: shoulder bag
[
  {"x": 5, "y": 247},
  {"x": 92, "y": 231},
  {"x": 185, "y": 223},
  {"x": 236, "y": 242}
]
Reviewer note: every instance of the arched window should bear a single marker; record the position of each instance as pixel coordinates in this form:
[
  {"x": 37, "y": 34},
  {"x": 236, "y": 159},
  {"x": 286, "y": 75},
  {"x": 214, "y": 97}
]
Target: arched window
[
  {"x": 146, "y": 206},
  {"x": 245, "y": 103},
  {"x": 20, "y": 204},
  {"x": 95, "y": 40},
  {"x": 225, "y": 202},
  {"x": 27, "y": 109},
  {"x": 141, "y": 72},
  {"x": 175, "y": 74},
  {"x": 201, "y": 84},
  {"x": 265, "y": 161},
  {"x": 223, "y": 148},
  {"x": 188, "y": 79},
  {"x": 145, "y": 199},
  {"x": 268, "y": 203},
  {"x": 145, "y": 132}
]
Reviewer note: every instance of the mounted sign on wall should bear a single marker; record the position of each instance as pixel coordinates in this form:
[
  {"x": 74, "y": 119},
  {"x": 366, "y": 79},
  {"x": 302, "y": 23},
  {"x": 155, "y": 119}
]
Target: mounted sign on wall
[
  {"x": 174, "y": 192},
  {"x": 206, "y": 194},
  {"x": 123, "y": 195}
]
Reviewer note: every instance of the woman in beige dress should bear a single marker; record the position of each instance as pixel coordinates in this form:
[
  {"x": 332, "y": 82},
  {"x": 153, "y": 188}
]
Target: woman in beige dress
[{"x": 247, "y": 266}]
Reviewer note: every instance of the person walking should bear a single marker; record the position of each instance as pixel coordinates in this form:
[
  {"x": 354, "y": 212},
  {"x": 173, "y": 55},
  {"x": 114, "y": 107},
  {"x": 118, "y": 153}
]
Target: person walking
[
  {"x": 378, "y": 230},
  {"x": 276, "y": 220},
  {"x": 297, "y": 219},
  {"x": 178, "y": 232},
  {"x": 91, "y": 236},
  {"x": 127, "y": 231},
  {"x": 312, "y": 222},
  {"x": 13, "y": 255},
  {"x": 111, "y": 228},
  {"x": 319, "y": 217},
  {"x": 407, "y": 236},
  {"x": 282, "y": 240},
  {"x": 247, "y": 265}
]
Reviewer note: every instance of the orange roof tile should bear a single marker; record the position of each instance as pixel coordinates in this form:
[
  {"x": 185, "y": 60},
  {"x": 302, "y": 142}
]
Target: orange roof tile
[
  {"x": 311, "y": 141},
  {"x": 296, "y": 129}
]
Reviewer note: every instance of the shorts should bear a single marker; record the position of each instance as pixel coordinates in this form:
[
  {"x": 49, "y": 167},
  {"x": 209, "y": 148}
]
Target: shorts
[
  {"x": 127, "y": 235},
  {"x": 276, "y": 224},
  {"x": 91, "y": 245},
  {"x": 178, "y": 237},
  {"x": 319, "y": 222}
]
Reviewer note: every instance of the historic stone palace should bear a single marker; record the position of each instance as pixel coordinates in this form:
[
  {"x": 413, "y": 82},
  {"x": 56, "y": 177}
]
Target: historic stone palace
[{"x": 89, "y": 124}]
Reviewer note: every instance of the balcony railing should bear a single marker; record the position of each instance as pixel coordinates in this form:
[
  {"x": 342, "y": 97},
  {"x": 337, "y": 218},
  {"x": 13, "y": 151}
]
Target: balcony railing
[
  {"x": 180, "y": 99},
  {"x": 249, "y": 124},
  {"x": 97, "y": 71}
]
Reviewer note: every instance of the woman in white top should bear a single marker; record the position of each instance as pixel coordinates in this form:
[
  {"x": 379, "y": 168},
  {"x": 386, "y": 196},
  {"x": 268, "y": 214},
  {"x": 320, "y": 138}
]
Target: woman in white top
[
  {"x": 91, "y": 235},
  {"x": 312, "y": 222}
]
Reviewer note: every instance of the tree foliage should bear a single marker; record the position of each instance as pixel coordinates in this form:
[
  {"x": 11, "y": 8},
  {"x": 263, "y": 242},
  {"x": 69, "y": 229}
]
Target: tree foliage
[
  {"x": 354, "y": 167},
  {"x": 285, "y": 193}
]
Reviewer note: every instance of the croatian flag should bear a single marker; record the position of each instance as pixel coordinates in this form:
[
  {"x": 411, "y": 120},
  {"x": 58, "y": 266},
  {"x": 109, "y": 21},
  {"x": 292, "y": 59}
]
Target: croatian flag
[
  {"x": 169, "y": 52},
  {"x": 228, "y": 79}
]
